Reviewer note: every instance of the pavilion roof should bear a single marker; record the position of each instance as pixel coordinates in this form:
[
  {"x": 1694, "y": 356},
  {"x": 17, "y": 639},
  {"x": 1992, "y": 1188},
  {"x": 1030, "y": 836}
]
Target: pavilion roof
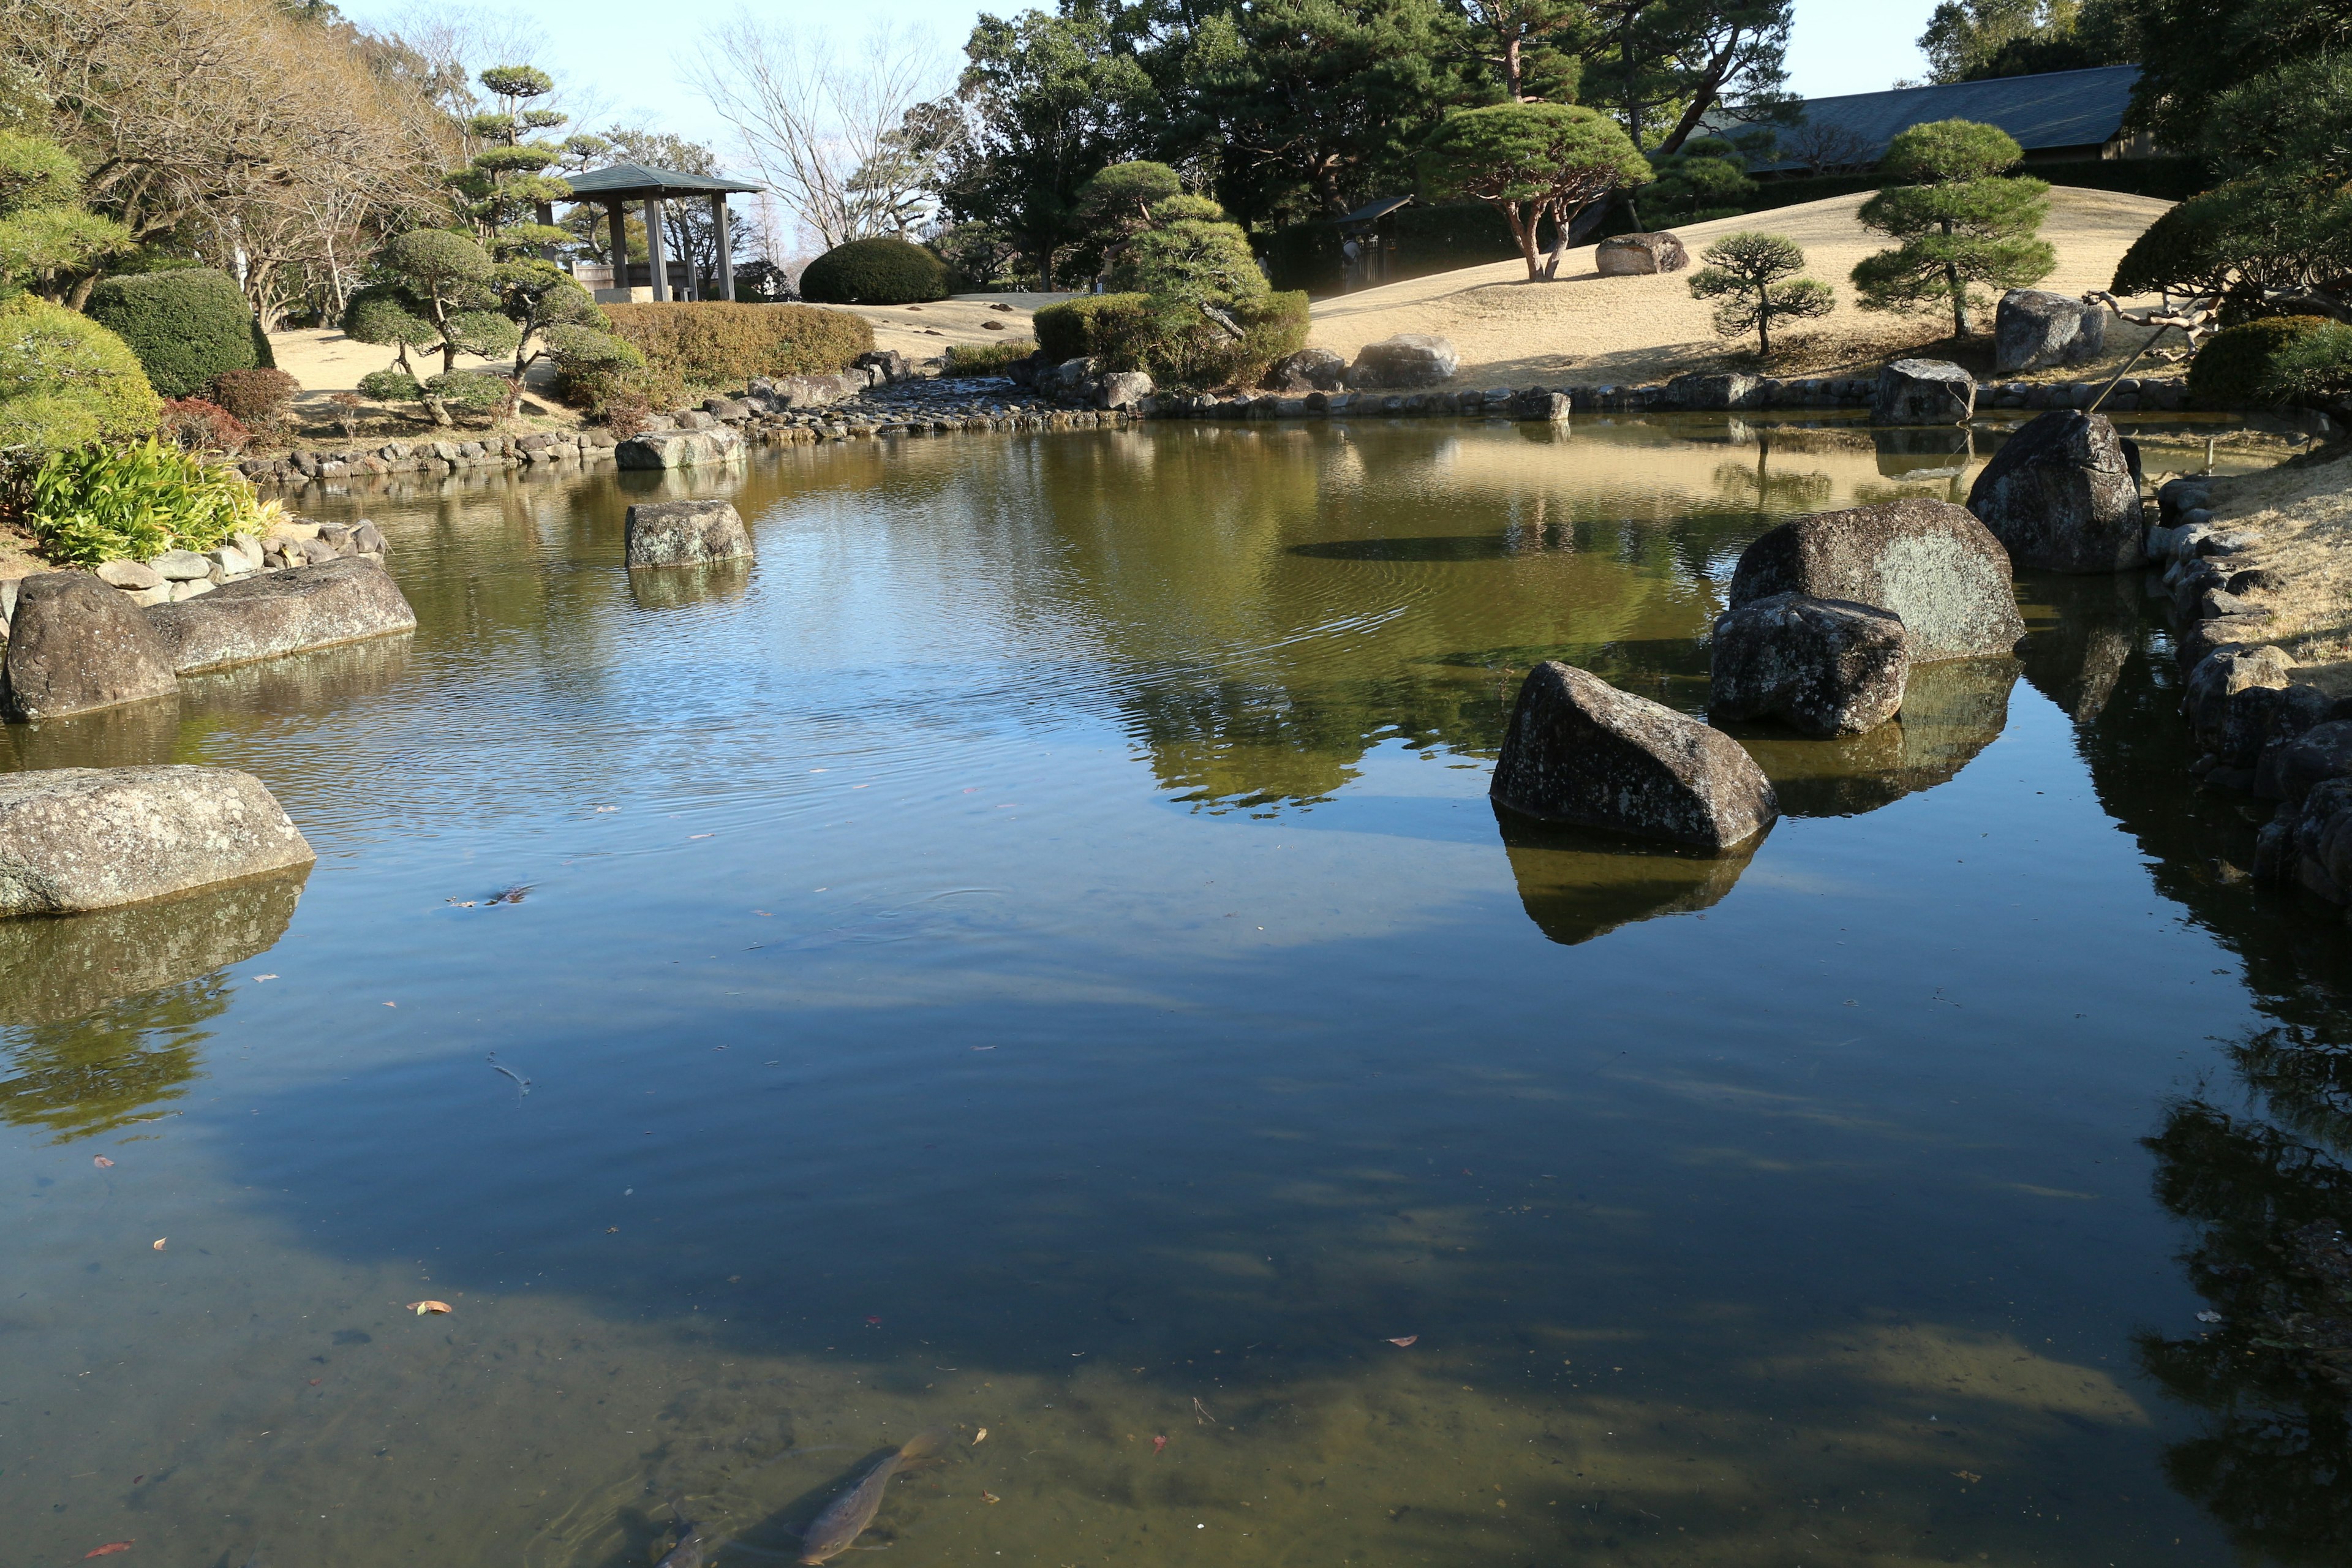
[{"x": 627, "y": 180}]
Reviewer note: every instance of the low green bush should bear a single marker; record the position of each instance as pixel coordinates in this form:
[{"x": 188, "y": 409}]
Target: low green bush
[
  {"x": 391, "y": 386},
  {"x": 988, "y": 359},
  {"x": 258, "y": 396},
  {"x": 470, "y": 391},
  {"x": 716, "y": 346},
  {"x": 96, "y": 503},
  {"x": 1176, "y": 344},
  {"x": 884, "y": 271},
  {"x": 1070, "y": 329},
  {"x": 65, "y": 381},
  {"x": 2318, "y": 364},
  {"x": 186, "y": 325},
  {"x": 2235, "y": 367}
]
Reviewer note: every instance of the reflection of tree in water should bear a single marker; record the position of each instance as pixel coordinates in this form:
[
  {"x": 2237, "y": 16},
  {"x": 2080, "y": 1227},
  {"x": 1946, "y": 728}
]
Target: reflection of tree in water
[{"x": 112, "y": 1069}]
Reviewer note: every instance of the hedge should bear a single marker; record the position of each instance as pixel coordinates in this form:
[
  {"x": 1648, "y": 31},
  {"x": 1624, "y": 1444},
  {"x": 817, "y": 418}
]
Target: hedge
[
  {"x": 987, "y": 359},
  {"x": 884, "y": 271},
  {"x": 65, "y": 381},
  {"x": 2234, "y": 368},
  {"x": 186, "y": 325},
  {"x": 713, "y": 345},
  {"x": 1133, "y": 332}
]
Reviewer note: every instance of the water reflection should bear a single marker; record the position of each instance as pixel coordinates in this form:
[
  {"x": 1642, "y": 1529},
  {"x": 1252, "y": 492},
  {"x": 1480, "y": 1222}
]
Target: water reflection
[
  {"x": 679, "y": 587},
  {"x": 135, "y": 735},
  {"x": 1577, "y": 885},
  {"x": 303, "y": 682},
  {"x": 2080, "y": 632},
  {"x": 1952, "y": 710}
]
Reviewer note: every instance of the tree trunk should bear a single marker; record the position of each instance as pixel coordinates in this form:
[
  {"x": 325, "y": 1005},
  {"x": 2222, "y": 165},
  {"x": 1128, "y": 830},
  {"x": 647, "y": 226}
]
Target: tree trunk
[
  {"x": 1523, "y": 229},
  {"x": 1763, "y": 324},
  {"x": 1511, "y": 73}
]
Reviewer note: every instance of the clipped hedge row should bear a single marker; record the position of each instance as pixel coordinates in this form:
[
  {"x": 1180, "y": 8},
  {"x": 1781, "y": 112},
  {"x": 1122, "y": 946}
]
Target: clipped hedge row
[
  {"x": 712, "y": 345},
  {"x": 1133, "y": 332},
  {"x": 186, "y": 325}
]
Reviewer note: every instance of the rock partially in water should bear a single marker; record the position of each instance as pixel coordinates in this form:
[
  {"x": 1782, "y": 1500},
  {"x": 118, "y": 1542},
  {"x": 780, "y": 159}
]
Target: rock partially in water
[
  {"x": 1823, "y": 667},
  {"x": 2061, "y": 495},
  {"x": 1952, "y": 710},
  {"x": 1407, "y": 360},
  {"x": 1929, "y": 562},
  {"x": 2214, "y": 687},
  {"x": 350, "y": 599},
  {"x": 2036, "y": 329},
  {"x": 2308, "y": 845},
  {"x": 1124, "y": 389},
  {"x": 681, "y": 450},
  {"x": 1577, "y": 884},
  {"x": 1308, "y": 370},
  {"x": 2320, "y": 753},
  {"x": 1714, "y": 393},
  {"x": 76, "y": 645},
  {"x": 1922, "y": 392},
  {"x": 1579, "y": 751},
  {"x": 70, "y": 965},
  {"x": 73, "y": 839},
  {"x": 686, "y": 533}
]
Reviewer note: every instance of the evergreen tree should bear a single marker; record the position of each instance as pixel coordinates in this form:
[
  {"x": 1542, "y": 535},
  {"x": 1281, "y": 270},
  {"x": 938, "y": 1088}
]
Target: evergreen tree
[
  {"x": 46, "y": 235},
  {"x": 1961, "y": 223},
  {"x": 502, "y": 186},
  {"x": 1531, "y": 161},
  {"x": 1755, "y": 276}
]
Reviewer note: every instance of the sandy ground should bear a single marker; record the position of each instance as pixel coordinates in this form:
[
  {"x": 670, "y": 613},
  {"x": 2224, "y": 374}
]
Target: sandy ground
[
  {"x": 2304, "y": 515},
  {"x": 924, "y": 332},
  {"x": 1587, "y": 328}
]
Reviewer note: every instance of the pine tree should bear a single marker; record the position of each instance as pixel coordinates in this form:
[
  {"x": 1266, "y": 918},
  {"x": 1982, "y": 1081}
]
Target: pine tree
[
  {"x": 1961, "y": 222},
  {"x": 1755, "y": 276},
  {"x": 504, "y": 185}
]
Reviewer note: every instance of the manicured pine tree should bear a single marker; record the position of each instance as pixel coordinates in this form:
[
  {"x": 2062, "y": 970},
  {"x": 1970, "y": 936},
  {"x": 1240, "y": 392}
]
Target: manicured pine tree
[
  {"x": 1962, "y": 225},
  {"x": 1755, "y": 276}
]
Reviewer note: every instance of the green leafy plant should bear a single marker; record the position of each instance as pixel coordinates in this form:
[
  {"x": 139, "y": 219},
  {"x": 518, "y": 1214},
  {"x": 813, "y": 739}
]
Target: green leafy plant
[
  {"x": 881, "y": 271},
  {"x": 88, "y": 505},
  {"x": 1961, "y": 224},
  {"x": 470, "y": 391},
  {"x": 2238, "y": 365},
  {"x": 391, "y": 386},
  {"x": 988, "y": 359},
  {"x": 1532, "y": 162},
  {"x": 186, "y": 325},
  {"x": 1137, "y": 331},
  {"x": 1706, "y": 180},
  {"x": 65, "y": 380},
  {"x": 2317, "y": 364},
  {"x": 1755, "y": 276}
]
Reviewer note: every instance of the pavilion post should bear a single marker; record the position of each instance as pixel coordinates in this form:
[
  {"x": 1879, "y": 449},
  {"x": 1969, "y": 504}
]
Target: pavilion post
[
  {"x": 620, "y": 214},
  {"x": 726, "y": 247},
  {"x": 654, "y": 247},
  {"x": 546, "y": 216}
]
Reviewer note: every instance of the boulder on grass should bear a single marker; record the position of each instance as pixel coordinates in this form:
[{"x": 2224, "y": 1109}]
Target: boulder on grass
[
  {"x": 1633, "y": 254},
  {"x": 1922, "y": 392},
  {"x": 1579, "y": 751},
  {"x": 1824, "y": 666},
  {"x": 1930, "y": 563},
  {"x": 1407, "y": 360},
  {"x": 1124, "y": 389},
  {"x": 346, "y": 600},
  {"x": 686, "y": 533},
  {"x": 90, "y": 838},
  {"x": 1308, "y": 370},
  {"x": 2035, "y": 329},
  {"x": 2063, "y": 495},
  {"x": 76, "y": 645}
]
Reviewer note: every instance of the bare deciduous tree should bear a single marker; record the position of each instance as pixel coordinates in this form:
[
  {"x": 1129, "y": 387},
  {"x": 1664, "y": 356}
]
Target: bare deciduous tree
[{"x": 1826, "y": 149}]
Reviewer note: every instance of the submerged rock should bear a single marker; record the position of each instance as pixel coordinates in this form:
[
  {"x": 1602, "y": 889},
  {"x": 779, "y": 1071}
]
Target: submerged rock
[
  {"x": 1922, "y": 392},
  {"x": 88, "y": 838},
  {"x": 76, "y": 645},
  {"x": 346, "y": 600},
  {"x": 1930, "y": 563},
  {"x": 681, "y": 450},
  {"x": 1824, "y": 666},
  {"x": 686, "y": 533},
  {"x": 2063, "y": 495},
  {"x": 1579, "y": 751}
]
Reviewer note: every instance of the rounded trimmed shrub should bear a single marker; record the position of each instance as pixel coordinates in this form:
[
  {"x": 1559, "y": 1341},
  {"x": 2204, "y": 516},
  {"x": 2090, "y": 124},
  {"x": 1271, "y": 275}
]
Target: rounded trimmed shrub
[
  {"x": 186, "y": 325},
  {"x": 2235, "y": 368},
  {"x": 885, "y": 271},
  {"x": 257, "y": 397},
  {"x": 200, "y": 425},
  {"x": 65, "y": 381}
]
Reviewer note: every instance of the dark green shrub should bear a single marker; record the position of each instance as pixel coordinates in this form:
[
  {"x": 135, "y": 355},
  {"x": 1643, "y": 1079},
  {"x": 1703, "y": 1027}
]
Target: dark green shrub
[
  {"x": 1176, "y": 344},
  {"x": 470, "y": 391},
  {"x": 391, "y": 386},
  {"x": 186, "y": 325},
  {"x": 988, "y": 359},
  {"x": 259, "y": 397},
  {"x": 2236, "y": 366},
  {"x": 885, "y": 271},
  {"x": 1069, "y": 330},
  {"x": 2315, "y": 366},
  {"x": 715, "y": 346},
  {"x": 98, "y": 503},
  {"x": 65, "y": 380}
]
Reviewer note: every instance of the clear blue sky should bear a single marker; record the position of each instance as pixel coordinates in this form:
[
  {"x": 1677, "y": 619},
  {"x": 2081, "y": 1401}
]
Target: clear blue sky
[{"x": 625, "y": 54}]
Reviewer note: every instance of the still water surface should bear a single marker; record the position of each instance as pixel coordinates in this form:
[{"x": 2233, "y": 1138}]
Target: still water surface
[{"x": 1034, "y": 953}]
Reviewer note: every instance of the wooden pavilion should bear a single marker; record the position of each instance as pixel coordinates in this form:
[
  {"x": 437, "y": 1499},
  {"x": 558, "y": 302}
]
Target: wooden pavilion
[{"x": 616, "y": 187}]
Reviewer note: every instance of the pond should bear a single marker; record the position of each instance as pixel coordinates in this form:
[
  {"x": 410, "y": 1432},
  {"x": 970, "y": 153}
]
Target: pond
[{"x": 1034, "y": 953}]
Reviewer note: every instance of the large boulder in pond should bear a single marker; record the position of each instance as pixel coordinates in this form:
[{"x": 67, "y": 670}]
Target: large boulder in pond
[
  {"x": 90, "y": 838},
  {"x": 681, "y": 450},
  {"x": 1579, "y": 751},
  {"x": 76, "y": 645},
  {"x": 296, "y": 610},
  {"x": 2063, "y": 495},
  {"x": 2036, "y": 329},
  {"x": 1823, "y": 667},
  {"x": 1636, "y": 254},
  {"x": 1930, "y": 563},
  {"x": 1922, "y": 392},
  {"x": 686, "y": 533},
  {"x": 1407, "y": 360}
]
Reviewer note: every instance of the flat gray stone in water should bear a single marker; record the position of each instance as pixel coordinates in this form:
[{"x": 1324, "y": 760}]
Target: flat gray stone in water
[
  {"x": 2061, "y": 495},
  {"x": 1823, "y": 667},
  {"x": 1581, "y": 751},
  {"x": 293, "y": 611},
  {"x": 1929, "y": 562},
  {"x": 686, "y": 533},
  {"x": 90, "y": 838},
  {"x": 76, "y": 645}
]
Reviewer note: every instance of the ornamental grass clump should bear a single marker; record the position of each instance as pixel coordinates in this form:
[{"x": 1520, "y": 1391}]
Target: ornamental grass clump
[
  {"x": 98, "y": 503},
  {"x": 1755, "y": 276}
]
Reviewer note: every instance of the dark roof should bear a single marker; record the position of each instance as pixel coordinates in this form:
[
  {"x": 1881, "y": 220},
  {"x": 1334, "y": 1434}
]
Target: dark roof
[
  {"x": 2055, "y": 109},
  {"x": 1378, "y": 209},
  {"x": 644, "y": 180}
]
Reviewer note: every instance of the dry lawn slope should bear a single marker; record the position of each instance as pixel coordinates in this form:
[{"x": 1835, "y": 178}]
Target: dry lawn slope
[{"x": 1587, "y": 330}]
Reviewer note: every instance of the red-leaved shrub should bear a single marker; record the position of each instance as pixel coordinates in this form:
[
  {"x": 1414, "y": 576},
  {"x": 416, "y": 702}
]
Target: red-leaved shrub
[{"x": 199, "y": 426}]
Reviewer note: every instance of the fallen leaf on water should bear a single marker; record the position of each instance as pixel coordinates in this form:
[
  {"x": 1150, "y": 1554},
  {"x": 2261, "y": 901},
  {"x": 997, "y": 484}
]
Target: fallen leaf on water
[
  {"x": 1406, "y": 1343},
  {"x": 1158, "y": 1443},
  {"x": 461, "y": 903},
  {"x": 421, "y": 1308},
  {"x": 979, "y": 1437},
  {"x": 763, "y": 914},
  {"x": 317, "y": 1380},
  {"x": 109, "y": 1549},
  {"x": 159, "y": 1241},
  {"x": 1967, "y": 1475},
  {"x": 608, "y": 809},
  {"x": 264, "y": 977},
  {"x": 614, "y": 1229},
  {"x": 872, "y": 1321},
  {"x": 392, "y": 1004},
  {"x": 989, "y": 1497},
  {"x": 101, "y": 1161}
]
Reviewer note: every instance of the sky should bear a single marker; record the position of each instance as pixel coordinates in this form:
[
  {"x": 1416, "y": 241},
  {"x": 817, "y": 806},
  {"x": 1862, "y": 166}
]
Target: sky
[{"x": 627, "y": 57}]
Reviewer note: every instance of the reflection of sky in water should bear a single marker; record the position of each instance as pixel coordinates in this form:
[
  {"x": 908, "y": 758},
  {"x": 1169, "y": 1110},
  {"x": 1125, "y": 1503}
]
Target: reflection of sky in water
[{"x": 1035, "y": 953}]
